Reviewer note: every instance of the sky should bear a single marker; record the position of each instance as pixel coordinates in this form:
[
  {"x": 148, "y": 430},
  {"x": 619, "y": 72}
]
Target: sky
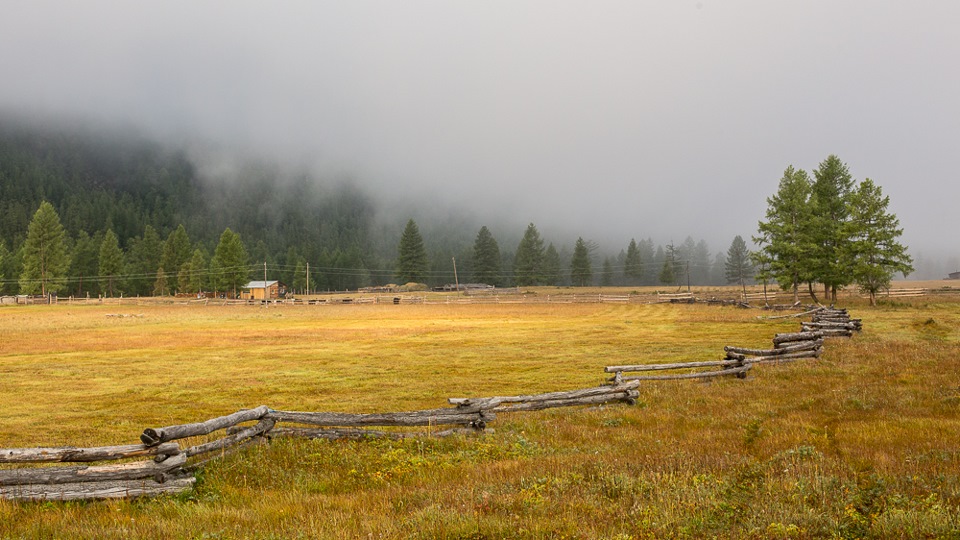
[{"x": 607, "y": 120}]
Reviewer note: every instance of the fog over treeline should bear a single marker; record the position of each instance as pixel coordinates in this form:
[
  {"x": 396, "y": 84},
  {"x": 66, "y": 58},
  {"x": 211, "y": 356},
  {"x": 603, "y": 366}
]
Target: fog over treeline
[{"x": 613, "y": 121}]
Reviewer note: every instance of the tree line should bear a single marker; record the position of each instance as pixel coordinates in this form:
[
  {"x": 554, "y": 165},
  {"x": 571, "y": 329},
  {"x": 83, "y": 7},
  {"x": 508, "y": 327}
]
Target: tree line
[{"x": 137, "y": 219}]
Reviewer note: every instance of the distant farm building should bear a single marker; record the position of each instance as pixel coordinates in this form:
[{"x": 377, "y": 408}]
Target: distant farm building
[
  {"x": 953, "y": 275},
  {"x": 263, "y": 290}
]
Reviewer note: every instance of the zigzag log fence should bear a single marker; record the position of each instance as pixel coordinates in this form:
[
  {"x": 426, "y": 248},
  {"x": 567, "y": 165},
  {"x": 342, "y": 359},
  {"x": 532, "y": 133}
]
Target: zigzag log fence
[{"x": 169, "y": 467}]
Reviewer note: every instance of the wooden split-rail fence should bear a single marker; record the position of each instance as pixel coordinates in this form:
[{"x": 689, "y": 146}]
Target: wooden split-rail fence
[
  {"x": 161, "y": 465},
  {"x": 787, "y": 347}
]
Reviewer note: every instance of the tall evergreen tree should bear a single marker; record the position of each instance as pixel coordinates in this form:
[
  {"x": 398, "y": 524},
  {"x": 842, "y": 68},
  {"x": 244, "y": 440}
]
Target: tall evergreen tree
[
  {"x": 875, "y": 252},
  {"x": 198, "y": 271},
  {"x": 528, "y": 263},
  {"x": 110, "y": 262},
  {"x": 551, "y": 266},
  {"x": 45, "y": 257},
  {"x": 670, "y": 271},
  {"x": 606, "y": 278},
  {"x": 648, "y": 263},
  {"x": 785, "y": 238},
  {"x": 412, "y": 263},
  {"x": 230, "y": 263},
  {"x": 176, "y": 251},
  {"x": 738, "y": 266},
  {"x": 829, "y": 203},
  {"x": 143, "y": 260},
  {"x": 486, "y": 258},
  {"x": 700, "y": 263},
  {"x": 632, "y": 264},
  {"x": 84, "y": 264},
  {"x": 581, "y": 274},
  {"x": 160, "y": 287}
]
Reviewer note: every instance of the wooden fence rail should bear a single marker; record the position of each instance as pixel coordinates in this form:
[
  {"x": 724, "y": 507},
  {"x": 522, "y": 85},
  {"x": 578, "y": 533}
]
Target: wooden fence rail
[{"x": 171, "y": 469}]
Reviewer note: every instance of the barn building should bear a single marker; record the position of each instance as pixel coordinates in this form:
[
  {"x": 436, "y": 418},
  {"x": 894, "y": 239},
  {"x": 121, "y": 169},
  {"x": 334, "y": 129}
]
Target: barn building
[{"x": 263, "y": 290}]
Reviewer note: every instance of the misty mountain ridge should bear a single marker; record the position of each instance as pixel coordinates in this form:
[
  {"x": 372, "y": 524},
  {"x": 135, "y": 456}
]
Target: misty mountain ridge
[{"x": 115, "y": 178}]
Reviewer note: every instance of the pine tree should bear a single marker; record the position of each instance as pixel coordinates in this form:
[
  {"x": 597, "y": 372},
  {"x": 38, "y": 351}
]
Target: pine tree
[
  {"x": 581, "y": 274},
  {"x": 528, "y": 267},
  {"x": 632, "y": 264},
  {"x": 198, "y": 269},
  {"x": 829, "y": 196},
  {"x": 738, "y": 265},
  {"x": 229, "y": 264},
  {"x": 176, "y": 251},
  {"x": 606, "y": 278},
  {"x": 551, "y": 266},
  {"x": 785, "y": 238},
  {"x": 84, "y": 263},
  {"x": 143, "y": 260},
  {"x": 160, "y": 287},
  {"x": 648, "y": 265},
  {"x": 412, "y": 264},
  {"x": 700, "y": 263},
  {"x": 670, "y": 271},
  {"x": 486, "y": 258},
  {"x": 110, "y": 262},
  {"x": 45, "y": 257},
  {"x": 874, "y": 252}
]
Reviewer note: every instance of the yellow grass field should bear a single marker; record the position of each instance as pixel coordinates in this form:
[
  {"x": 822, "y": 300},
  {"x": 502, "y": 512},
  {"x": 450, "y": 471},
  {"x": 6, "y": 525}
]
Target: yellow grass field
[{"x": 864, "y": 442}]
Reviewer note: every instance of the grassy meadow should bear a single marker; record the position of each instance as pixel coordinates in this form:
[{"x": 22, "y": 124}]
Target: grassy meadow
[{"x": 863, "y": 443}]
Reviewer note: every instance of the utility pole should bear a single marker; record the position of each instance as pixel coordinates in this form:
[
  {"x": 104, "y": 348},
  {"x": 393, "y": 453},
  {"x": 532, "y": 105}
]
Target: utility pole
[
  {"x": 265, "y": 282},
  {"x": 308, "y": 278},
  {"x": 455, "y": 278}
]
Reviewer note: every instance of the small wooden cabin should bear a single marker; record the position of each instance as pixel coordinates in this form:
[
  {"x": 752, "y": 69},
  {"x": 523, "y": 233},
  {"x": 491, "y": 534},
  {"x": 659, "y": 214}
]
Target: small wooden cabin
[{"x": 263, "y": 290}]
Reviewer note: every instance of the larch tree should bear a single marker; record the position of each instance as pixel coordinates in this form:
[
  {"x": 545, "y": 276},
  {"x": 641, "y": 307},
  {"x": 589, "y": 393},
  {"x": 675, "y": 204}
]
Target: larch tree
[
  {"x": 110, "y": 262},
  {"x": 528, "y": 263},
  {"x": 875, "y": 253},
  {"x": 784, "y": 238},
  {"x": 45, "y": 257},
  {"x": 739, "y": 267},
  {"x": 486, "y": 258},
  {"x": 230, "y": 262},
  {"x": 581, "y": 274},
  {"x": 412, "y": 262},
  {"x": 829, "y": 212}
]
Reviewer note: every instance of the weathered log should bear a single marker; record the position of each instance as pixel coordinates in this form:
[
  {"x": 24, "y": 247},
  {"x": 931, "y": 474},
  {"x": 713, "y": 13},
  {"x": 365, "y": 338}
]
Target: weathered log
[
  {"x": 81, "y": 455},
  {"x": 792, "y": 337},
  {"x": 491, "y": 402},
  {"x": 787, "y": 357},
  {"x": 736, "y": 356},
  {"x": 832, "y": 332},
  {"x": 263, "y": 426},
  {"x": 434, "y": 417},
  {"x": 151, "y": 436},
  {"x": 626, "y": 395},
  {"x": 121, "y": 489},
  {"x": 799, "y": 346},
  {"x": 828, "y": 324},
  {"x": 663, "y": 367},
  {"x": 346, "y": 433},
  {"x": 65, "y": 475},
  {"x": 699, "y": 375}
]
